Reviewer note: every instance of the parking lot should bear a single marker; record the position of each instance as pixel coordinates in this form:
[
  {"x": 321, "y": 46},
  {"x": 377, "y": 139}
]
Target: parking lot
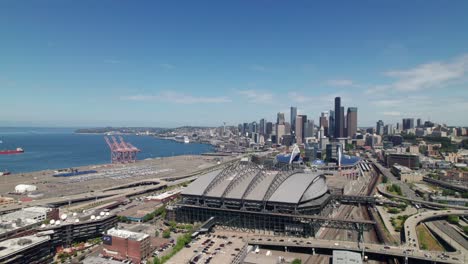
[{"x": 217, "y": 247}]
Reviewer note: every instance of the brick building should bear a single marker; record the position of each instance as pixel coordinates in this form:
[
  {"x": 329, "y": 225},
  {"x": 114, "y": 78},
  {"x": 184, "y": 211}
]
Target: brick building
[{"x": 126, "y": 245}]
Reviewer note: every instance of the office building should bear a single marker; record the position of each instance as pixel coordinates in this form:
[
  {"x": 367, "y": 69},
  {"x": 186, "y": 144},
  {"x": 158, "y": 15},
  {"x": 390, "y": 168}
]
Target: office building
[
  {"x": 300, "y": 122},
  {"x": 419, "y": 122},
  {"x": 27, "y": 249},
  {"x": 292, "y": 120},
  {"x": 343, "y": 122},
  {"x": 280, "y": 132},
  {"x": 380, "y": 128},
  {"x": 338, "y": 129},
  {"x": 309, "y": 129},
  {"x": 332, "y": 150},
  {"x": 388, "y": 129},
  {"x": 406, "y": 174},
  {"x": 331, "y": 122},
  {"x": 126, "y": 245},
  {"x": 324, "y": 123},
  {"x": 351, "y": 120},
  {"x": 408, "y": 123},
  {"x": 404, "y": 159},
  {"x": 280, "y": 119},
  {"x": 261, "y": 127},
  {"x": 268, "y": 128}
]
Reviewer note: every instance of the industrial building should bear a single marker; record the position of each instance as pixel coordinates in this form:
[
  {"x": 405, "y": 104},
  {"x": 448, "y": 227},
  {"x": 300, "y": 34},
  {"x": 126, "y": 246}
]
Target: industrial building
[
  {"x": 405, "y": 159},
  {"x": 246, "y": 195},
  {"x": 126, "y": 245},
  {"x": 406, "y": 174}
]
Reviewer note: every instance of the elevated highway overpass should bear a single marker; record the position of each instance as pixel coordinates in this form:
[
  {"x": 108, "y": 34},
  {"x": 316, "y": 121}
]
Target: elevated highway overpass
[
  {"x": 313, "y": 245},
  {"x": 410, "y": 234}
]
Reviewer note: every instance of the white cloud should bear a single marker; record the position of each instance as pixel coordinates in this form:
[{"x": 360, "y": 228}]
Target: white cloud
[
  {"x": 387, "y": 102},
  {"x": 429, "y": 75},
  {"x": 178, "y": 98},
  {"x": 167, "y": 66},
  {"x": 257, "y": 96}
]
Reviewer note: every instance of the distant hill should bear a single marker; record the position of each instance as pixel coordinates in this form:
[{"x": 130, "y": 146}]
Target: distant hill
[{"x": 123, "y": 130}]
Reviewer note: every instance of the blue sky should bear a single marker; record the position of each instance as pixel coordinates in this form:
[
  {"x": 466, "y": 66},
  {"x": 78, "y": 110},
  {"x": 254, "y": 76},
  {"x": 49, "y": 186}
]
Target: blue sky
[{"x": 171, "y": 63}]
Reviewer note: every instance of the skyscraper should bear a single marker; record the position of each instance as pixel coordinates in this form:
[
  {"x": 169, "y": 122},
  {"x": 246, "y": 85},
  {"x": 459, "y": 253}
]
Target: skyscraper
[
  {"x": 380, "y": 127},
  {"x": 261, "y": 127},
  {"x": 351, "y": 119},
  {"x": 408, "y": 123},
  {"x": 268, "y": 128},
  {"x": 309, "y": 129},
  {"x": 343, "y": 122},
  {"x": 293, "y": 120},
  {"x": 324, "y": 122},
  {"x": 280, "y": 119},
  {"x": 299, "y": 129},
  {"x": 419, "y": 122},
  {"x": 338, "y": 120},
  {"x": 331, "y": 122},
  {"x": 280, "y": 132}
]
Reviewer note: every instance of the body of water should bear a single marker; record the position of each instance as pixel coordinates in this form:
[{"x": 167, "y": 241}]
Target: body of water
[{"x": 54, "y": 148}]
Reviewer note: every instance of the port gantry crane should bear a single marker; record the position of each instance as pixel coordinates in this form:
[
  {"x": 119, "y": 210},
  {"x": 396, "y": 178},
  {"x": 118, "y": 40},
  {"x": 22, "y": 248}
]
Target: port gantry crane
[{"x": 121, "y": 152}]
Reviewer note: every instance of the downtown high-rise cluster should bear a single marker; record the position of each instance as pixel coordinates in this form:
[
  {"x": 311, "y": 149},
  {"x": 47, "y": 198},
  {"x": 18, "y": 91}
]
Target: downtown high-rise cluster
[{"x": 300, "y": 129}]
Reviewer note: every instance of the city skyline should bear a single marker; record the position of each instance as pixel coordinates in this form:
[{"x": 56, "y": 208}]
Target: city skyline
[{"x": 157, "y": 65}]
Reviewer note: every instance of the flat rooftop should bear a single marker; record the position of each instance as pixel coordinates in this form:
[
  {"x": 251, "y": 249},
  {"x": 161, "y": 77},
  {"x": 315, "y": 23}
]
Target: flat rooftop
[
  {"x": 126, "y": 234},
  {"x": 14, "y": 245},
  {"x": 98, "y": 260}
]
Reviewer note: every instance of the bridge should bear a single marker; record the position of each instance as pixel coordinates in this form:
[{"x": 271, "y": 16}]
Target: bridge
[
  {"x": 362, "y": 199},
  {"x": 366, "y": 249},
  {"x": 410, "y": 233},
  {"x": 382, "y": 190},
  {"x": 456, "y": 187}
]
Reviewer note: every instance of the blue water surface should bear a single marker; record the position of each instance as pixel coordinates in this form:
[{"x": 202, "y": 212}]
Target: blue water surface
[{"x": 53, "y": 148}]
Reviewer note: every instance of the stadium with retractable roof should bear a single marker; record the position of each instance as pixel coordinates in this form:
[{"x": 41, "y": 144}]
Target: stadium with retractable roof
[{"x": 245, "y": 195}]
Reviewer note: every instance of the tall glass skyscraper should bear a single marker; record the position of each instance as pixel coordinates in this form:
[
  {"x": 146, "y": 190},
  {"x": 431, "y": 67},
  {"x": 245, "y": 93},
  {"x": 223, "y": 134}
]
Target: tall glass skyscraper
[
  {"x": 293, "y": 120},
  {"x": 338, "y": 116}
]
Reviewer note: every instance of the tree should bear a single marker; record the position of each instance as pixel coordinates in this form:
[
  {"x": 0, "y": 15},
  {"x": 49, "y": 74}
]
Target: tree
[
  {"x": 393, "y": 210},
  {"x": 296, "y": 261},
  {"x": 465, "y": 229},
  {"x": 384, "y": 179},
  {"x": 453, "y": 219},
  {"x": 156, "y": 260},
  {"x": 167, "y": 233}
]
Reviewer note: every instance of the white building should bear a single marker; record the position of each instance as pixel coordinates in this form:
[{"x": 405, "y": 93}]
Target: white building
[{"x": 24, "y": 188}]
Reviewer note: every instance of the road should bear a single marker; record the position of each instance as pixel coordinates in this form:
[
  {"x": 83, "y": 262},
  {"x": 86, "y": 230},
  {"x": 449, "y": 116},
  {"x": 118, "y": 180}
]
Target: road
[
  {"x": 452, "y": 236},
  {"x": 404, "y": 187},
  {"x": 410, "y": 233},
  {"x": 390, "y": 251}
]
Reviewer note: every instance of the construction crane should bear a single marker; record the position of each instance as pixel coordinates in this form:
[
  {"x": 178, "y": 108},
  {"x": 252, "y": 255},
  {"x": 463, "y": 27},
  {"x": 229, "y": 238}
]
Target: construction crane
[{"x": 121, "y": 152}]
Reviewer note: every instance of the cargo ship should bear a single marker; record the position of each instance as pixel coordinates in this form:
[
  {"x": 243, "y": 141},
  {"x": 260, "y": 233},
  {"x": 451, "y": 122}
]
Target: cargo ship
[
  {"x": 11, "y": 151},
  {"x": 72, "y": 172}
]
